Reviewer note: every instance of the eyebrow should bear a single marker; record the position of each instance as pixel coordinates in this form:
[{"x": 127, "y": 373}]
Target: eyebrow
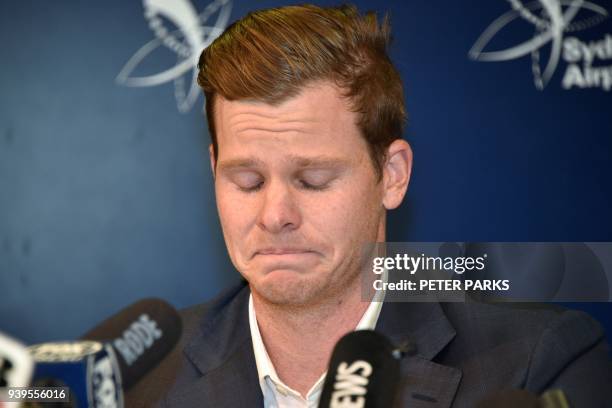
[
  {"x": 239, "y": 163},
  {"x": 299, "y": 161}
]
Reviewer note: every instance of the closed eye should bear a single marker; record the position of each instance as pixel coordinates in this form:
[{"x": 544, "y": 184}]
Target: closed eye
[
  {"x": 316, "y": 179},
  {"x": 316, "y": 187},
  {"x": 251, "y": 189},
  {"x": 247, "y": 181}
]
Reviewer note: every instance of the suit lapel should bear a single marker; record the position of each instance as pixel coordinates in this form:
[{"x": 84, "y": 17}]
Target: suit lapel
[
  {"x": 222, "y": 353},
  {"x": 232, "y": 384},
  {"x": 426, "y": 331}
]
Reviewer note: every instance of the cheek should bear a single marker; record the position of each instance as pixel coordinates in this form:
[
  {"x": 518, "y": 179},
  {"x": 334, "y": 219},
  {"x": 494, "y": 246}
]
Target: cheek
[
  {"x": 234, "y": 214},
  {"x": 350, "y": 215}
]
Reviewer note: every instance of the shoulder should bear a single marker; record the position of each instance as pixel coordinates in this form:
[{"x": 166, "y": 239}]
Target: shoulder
[
  {"x": 538, "y": 327},
  {"x": 201, "y": 316},
  {"x": 534, "y": 346},
  {"x": 534, "y": 321},
  {"x": 205, "y": 320}
]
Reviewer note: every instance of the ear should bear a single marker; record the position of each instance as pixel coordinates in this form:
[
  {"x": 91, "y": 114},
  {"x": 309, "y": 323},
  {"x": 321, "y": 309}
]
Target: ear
[
  {"x": 213, "y": 162},
  {"x": 396, "y": 173}
]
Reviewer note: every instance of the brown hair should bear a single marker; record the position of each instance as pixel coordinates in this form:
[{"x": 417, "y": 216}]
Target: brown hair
[{"x": 270, "y": 55}]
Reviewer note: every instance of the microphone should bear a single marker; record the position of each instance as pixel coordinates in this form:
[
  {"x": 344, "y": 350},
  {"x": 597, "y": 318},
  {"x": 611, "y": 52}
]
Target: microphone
[
  {"x": 141, "y": 335},
  {"x": 87, "y": 368},
  {"x": 363, "y": 372},
  {"x": 111, "y": 357},
  {"x": 524, "y": 399},
  {"x": 16, "y": 365}
]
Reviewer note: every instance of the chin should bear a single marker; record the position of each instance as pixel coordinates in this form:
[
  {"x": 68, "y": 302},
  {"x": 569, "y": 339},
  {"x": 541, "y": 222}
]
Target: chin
[{"x": 289, "y": 288}]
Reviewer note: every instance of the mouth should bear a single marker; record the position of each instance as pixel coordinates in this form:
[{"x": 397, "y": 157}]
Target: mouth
[
  {"x": 294, "y": 259},
  {"x": 282, "y": 251}
]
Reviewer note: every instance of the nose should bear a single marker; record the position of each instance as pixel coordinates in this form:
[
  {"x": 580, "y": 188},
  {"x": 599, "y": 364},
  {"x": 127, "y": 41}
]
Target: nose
[{"x": 279, "y": 210}]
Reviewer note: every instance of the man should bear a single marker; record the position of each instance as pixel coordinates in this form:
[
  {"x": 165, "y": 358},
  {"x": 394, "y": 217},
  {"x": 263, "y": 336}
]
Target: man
[{"x": 306, "y": 115}]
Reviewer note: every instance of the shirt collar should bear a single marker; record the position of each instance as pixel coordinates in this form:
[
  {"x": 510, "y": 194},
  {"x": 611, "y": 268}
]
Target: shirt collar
[{"x": 265, "y": 368}]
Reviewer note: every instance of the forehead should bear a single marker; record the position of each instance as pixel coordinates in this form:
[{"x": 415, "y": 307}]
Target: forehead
[{"x": 317, "y": 121}]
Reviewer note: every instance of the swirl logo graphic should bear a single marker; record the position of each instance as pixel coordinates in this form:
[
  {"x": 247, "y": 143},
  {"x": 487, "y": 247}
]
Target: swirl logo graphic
[
  {"x": 552, "y": 19},
  {"x": 189, "y": 36}
]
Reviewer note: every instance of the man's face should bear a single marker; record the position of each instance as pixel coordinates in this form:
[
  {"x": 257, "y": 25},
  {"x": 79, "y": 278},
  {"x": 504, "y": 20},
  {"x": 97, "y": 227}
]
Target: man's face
[{"x": 297, "y": 194}]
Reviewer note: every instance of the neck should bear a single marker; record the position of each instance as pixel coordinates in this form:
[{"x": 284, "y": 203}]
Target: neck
[{"x": 300, "y": 341}]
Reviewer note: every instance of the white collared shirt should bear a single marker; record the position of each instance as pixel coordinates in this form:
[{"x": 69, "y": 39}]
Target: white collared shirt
[{"x": 276, "y": 393}]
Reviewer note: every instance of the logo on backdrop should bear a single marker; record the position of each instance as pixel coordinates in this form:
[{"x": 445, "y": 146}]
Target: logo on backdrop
[
  {"x": 178, "y": 27},
  {"x": 555, "y": 23}
]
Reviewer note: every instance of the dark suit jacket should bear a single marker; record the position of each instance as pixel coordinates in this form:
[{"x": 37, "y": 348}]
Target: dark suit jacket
[{"x": 465, "y": 351}]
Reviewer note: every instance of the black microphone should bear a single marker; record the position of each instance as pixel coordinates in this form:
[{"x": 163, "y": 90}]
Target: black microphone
[
  {"x": 111, "y": 357},
  {"x": 363, "y": 371},
  {"x": 141, "y": 336},
  {"x": 520, "y": 398}
]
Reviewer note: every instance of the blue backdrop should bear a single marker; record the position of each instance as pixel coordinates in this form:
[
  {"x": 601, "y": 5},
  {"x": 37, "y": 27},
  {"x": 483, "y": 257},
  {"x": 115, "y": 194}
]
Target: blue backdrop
[{"x": 106, "y": 193}]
